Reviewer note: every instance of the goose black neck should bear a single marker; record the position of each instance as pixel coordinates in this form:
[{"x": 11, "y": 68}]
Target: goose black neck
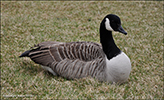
[{"x": 108, "y": 44}]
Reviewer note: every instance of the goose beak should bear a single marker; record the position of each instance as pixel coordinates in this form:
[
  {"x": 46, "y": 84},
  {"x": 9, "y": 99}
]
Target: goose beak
[{"x": 121, "y": 30}]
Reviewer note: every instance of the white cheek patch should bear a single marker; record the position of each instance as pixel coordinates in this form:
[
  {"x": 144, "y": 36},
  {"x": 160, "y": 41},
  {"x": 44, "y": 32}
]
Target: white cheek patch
[{"x": 107, "y": 25}]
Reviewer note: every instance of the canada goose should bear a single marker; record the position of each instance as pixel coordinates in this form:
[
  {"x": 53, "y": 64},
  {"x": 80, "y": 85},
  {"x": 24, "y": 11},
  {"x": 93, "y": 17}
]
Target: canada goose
[{"x": 105, "y": 62}]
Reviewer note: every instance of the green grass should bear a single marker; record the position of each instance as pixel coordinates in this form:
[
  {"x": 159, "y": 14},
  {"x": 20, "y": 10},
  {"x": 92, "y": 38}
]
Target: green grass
[{"x": 24, "y": 24}]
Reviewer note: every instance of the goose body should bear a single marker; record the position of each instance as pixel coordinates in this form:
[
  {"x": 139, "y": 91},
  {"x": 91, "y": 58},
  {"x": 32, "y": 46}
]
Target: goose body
[{"x": 105, "y": 62}]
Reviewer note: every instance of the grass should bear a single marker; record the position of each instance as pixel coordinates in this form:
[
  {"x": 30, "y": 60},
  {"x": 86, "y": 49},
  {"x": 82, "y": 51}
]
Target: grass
[{"x": 24, "y": 24}]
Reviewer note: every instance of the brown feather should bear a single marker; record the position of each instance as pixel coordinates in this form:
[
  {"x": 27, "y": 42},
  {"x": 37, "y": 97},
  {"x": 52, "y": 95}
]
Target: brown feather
[{"x": 70, "y": 60}]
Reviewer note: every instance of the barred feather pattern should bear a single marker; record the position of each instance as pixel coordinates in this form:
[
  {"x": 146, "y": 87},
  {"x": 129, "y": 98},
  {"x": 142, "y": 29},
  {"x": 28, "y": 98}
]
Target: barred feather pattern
[{"x": 71, "y": 60}]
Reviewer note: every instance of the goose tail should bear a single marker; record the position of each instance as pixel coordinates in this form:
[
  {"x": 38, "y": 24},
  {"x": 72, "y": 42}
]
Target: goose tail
[{"x": 25, "y": 54}]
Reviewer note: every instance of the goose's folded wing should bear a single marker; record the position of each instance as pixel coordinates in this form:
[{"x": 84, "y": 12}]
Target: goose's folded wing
[
  {"x": 41, "y": 53},
  {"x": 47, "y": 52},
  {"x": 69, "y": 60}
]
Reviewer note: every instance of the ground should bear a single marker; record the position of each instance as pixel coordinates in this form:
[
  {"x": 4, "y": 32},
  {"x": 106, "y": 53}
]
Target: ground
[{"x": 24, "y": 24}]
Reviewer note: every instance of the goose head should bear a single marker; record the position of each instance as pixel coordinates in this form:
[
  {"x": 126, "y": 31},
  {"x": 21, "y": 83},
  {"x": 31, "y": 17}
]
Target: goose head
[
  {"x": 110, "y": 23},
  {"x": 113, "y": 23}
]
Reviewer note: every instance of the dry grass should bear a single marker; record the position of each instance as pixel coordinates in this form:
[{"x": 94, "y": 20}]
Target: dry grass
[{"x": 24, "y": 24}]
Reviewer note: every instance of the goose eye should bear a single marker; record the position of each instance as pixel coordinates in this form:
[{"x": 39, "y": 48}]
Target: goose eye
[
  {"x": 118, "y": 25},
  {"x": 112, "y": 20}
]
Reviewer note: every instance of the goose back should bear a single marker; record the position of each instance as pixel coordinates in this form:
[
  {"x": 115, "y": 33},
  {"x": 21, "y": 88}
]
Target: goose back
[{"x": 71, "y": 60}]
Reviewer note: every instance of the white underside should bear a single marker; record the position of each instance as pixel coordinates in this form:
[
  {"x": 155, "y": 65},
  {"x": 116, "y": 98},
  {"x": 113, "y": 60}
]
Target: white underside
[
  {"x": 118, "y": 68},
  {"x": 49, "y": 69}
]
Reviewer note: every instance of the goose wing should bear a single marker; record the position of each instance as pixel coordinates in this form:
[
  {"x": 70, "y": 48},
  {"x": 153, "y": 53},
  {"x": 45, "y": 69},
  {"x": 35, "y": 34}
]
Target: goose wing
[{"x": 70, "y": 60}]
